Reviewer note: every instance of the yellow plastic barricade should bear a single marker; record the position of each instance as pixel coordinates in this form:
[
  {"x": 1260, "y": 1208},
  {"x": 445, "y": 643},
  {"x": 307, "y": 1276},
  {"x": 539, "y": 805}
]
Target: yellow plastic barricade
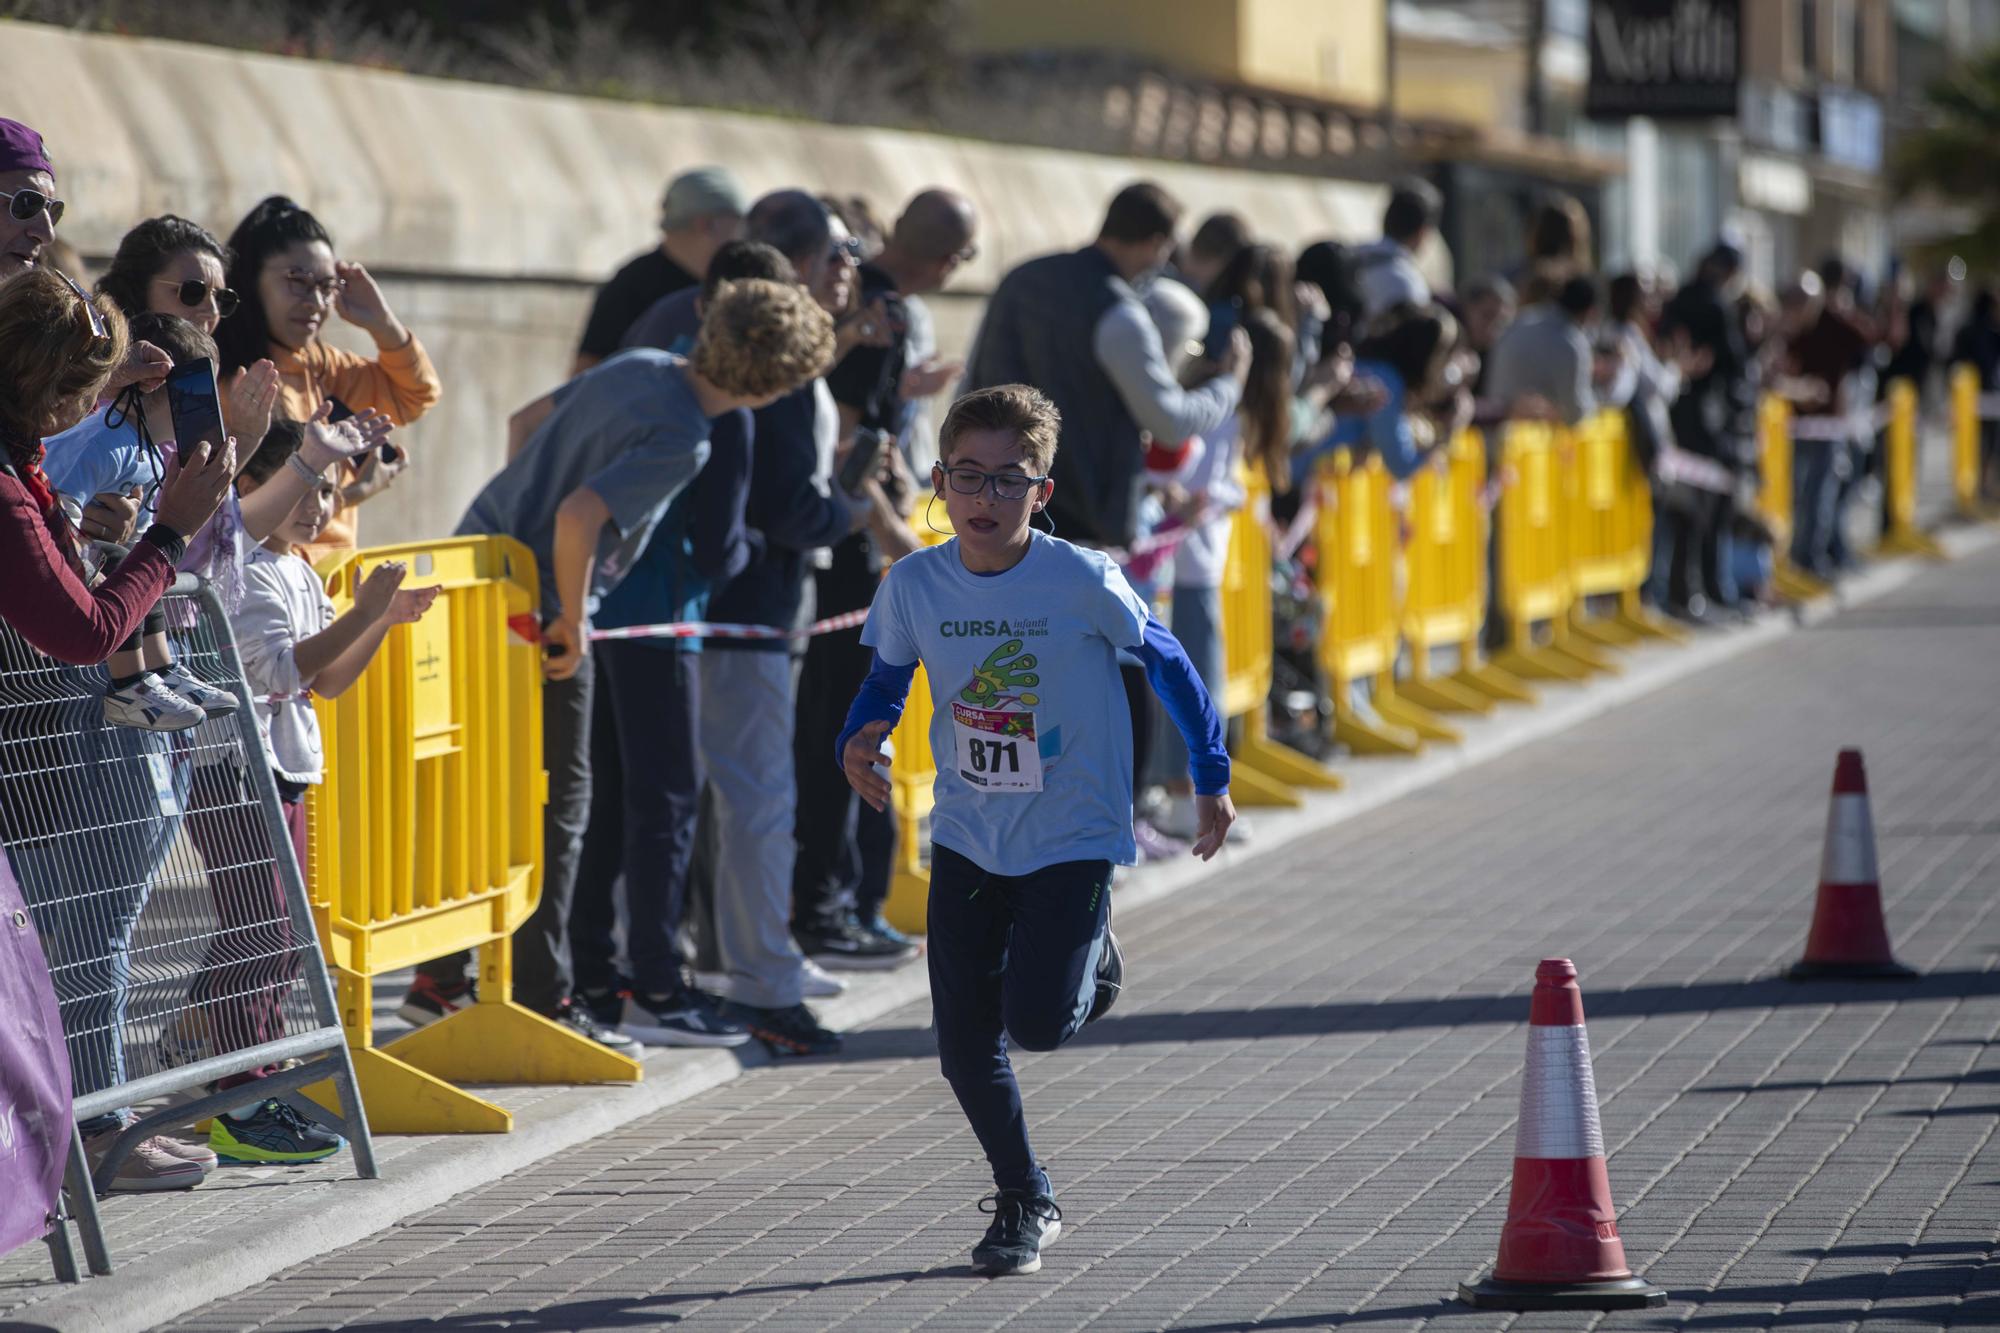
[
  {"x": 1444, "y": 596},
  {"x": 1611, "y": 534},
  {"x": 1776, "y": 495},
  {"x": 1360, "y": 630},
  {"x": 1535, "y": 585},
  {"x": 1902, "y": 536},
  {"x": 427, "y": 836},
  {"x": 1262, "y": 772},
  {"x": 1965, "y": 441},
  {"x": 912, "y": 773}
]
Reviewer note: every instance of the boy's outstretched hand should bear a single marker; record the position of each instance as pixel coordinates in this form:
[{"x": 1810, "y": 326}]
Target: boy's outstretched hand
[
  {"x": 863, "y": 762},
  {"x": 1216, "y": 814}
]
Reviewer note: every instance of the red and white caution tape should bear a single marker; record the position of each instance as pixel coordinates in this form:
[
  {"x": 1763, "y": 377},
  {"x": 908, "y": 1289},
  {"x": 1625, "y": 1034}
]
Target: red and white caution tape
[
  {"x": 702, "y": 629},
  {"x": 1841, "y": 427}
]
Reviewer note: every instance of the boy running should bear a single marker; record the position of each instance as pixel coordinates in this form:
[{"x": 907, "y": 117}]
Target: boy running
[{"x": 1018, "y": 633}]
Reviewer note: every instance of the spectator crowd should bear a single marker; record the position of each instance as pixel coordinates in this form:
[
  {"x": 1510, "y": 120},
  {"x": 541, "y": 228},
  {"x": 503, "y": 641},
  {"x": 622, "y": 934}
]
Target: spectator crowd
[{"x": 747, "y": 439}]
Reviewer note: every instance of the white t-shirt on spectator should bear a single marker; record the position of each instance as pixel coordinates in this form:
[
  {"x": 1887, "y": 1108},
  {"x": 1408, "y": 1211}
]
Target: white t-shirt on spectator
[{"x": 284, "y": 602}]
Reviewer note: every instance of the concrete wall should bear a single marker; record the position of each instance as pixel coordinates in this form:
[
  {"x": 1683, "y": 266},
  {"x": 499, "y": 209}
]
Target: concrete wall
[{"x": 492, "y": 212}]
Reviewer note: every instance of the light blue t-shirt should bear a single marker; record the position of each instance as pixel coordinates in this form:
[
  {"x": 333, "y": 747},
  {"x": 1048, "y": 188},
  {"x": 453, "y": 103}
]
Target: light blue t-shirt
[
  {"x": 94, "y": 457},
  {"x": 1033, "y": 647}
]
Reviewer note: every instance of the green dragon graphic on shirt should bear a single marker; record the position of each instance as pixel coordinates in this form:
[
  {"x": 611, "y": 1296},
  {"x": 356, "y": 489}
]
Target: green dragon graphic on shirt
[{"x": 1002, "y": 673}]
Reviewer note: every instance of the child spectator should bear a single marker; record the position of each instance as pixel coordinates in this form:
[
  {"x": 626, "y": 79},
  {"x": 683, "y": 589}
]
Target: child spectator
[
  {"x": 1019, "y": 634},
  {"x": 600, "y": 461},
  {"x": 293, "y": 646}
]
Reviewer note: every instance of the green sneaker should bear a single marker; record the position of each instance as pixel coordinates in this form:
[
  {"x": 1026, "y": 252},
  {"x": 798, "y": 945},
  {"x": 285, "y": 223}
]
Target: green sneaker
[{"x": 273, "y": 1133}]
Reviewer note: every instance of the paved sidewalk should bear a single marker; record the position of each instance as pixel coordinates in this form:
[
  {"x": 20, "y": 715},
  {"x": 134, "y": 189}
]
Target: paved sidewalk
[{"x": 1302, "y": 1112}]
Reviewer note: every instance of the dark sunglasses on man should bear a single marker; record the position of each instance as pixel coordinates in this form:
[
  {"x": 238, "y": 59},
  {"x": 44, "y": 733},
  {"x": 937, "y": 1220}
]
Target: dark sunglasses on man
[
  {"x": 26, "y": 205},
  {"x": 194, "y": 292}
]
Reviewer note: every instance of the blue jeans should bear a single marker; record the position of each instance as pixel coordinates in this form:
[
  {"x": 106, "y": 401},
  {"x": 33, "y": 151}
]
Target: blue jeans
[
  {"x": 1816, "y": 504},
  {"x": 1011, "y": 958}
]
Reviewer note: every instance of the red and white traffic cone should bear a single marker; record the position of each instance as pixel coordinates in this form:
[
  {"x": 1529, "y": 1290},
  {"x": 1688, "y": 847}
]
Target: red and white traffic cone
[
  {"x": 1849, "y": 937},
  {"x": 1560, "y": 1248}
]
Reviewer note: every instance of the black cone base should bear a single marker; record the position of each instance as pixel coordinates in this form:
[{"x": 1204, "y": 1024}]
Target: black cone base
[
  {"x": 1628, "y": 1293},
  {"x": 1889, "y": 971}
]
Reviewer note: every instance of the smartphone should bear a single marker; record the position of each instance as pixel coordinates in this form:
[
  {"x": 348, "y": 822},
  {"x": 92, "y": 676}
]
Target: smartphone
[
  {"x": 196, "y": 405},
  {"x": 862, "y": 458},
  {"x": 341, "y": 412},
  {"x": 1223, "y": 317}
]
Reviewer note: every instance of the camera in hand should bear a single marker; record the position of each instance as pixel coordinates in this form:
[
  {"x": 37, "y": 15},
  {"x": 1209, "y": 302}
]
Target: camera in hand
[
  {"x": 862, "y": 458},
  {"x": 1224, "y": 317}
]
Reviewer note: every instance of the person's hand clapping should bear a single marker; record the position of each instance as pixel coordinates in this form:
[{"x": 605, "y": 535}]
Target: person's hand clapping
[
  {"x": 252, "y": 399},
  {"x": 863, "y": 761},
  {"x": 193, "y": 488},
  {"x": 407, "y": 607},
  {"x": 1235, "y": 362},
  {"x": 378, "y": 589}
]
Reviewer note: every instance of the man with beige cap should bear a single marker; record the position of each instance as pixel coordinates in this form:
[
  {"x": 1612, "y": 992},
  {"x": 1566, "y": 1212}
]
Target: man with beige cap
[{"x": 703, "y": 211}]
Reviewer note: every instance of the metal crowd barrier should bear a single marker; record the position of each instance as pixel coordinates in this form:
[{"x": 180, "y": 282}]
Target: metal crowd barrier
[
  {"x": 160, "y": 875},
  {"x": 427, "y": 835}
]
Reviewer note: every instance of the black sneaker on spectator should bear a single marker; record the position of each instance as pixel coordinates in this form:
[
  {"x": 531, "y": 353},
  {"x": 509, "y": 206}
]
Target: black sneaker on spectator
[
  {"x": 792, "y": 1031},
  {"x": 684, "y": 1018},
  {"x": 273, "y": 1132},
  {"x": 578, "y": 1019},
  {"x": 876, "y": 926},
  {"x": 606, "y": 1004},
  {"x": 428, "y": 1001},
  {"x": 1110, "y": 978},
  {"x": 1023, "y": 1225},
  {"x": 848, "y": 947}
]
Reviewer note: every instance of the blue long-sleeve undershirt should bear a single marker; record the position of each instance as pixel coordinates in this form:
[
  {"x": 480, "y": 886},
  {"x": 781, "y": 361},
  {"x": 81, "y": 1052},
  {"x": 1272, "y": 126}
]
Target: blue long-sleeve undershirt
[{"x": 1171, "y": 674}]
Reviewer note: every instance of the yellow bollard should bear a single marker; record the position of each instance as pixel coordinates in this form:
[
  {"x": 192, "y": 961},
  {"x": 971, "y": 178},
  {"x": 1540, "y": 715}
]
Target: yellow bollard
[{"x": 1899, "y": 478}]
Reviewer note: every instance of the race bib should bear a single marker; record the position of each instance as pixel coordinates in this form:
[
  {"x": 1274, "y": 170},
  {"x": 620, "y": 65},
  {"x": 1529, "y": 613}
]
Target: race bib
[{"x": 997, "y": 752}]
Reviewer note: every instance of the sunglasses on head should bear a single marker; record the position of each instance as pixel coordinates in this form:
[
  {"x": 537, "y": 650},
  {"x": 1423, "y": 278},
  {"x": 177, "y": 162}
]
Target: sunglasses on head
[
  {"x": 847, "y": 249},
  {"x": 25, "y": 205},
  {"x": 96, "y": 316},
  {"x": 194, "y": 292}
]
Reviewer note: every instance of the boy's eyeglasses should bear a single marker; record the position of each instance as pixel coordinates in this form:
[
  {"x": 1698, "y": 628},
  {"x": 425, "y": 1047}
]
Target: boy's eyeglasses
[
  {"x": 306, "y": 286},
  {"x": 1006, "y": 485},
  {"x": 194, "y": 291},
  {"x": 24, "y": 205},
  {"x": 96, "y": 316}
]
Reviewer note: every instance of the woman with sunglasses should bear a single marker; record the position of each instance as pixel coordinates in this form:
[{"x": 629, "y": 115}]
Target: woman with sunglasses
[
  {"x": 282, "y": 266},
  {"x": 80, "y": 817}
]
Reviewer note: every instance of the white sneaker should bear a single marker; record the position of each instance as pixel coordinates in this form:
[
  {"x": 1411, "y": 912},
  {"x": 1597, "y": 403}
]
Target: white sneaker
[
  {"x": 1176, "y": 817},
  {"x": 820, "y": 984},
  {"x": 148, "y": 705},
  {"x": 211, "y": 701},
  {"x": 148, "y": 1168}
]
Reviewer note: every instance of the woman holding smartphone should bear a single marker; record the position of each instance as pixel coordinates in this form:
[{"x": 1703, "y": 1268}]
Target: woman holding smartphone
[{"x": 283, "y": 267}]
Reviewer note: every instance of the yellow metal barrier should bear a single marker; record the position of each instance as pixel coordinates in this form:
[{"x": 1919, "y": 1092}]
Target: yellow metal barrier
[
  {"x": 912, "y": 773},
  {"x": 1776, "y": 497},
  {"x": 1359, "y": 632},
  {"x": 1535, "y": 586},
  {"x": 427, "y": 836},
  {"x": 1902, "y": 536},
  {"x": 1965, "y": 460},
  {"x": 1444, "y": 594},
  {"x": 1610, "y": 534},
  {"x": 1262, "y": 772}
]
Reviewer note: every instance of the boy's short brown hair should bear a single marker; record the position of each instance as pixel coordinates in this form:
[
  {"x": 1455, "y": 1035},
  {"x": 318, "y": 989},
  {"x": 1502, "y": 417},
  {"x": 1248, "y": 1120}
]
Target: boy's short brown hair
[
  {"x": 1025, "y": 411},
  {"x": 760, "y": 338}
]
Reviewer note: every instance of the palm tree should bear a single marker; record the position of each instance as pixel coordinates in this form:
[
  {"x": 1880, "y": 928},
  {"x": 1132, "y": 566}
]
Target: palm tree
[{"x": 1956, "y": 158}]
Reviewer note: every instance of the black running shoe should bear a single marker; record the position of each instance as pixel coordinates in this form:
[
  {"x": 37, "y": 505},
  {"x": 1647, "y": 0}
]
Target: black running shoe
[
  {"x": 578, "y": 1019},
  {"x": 792, "y": 1031},
  {"x": 606, "y": 1003},
  {"x": 1023, "y": 1224},
  {"x": 685, "y": 1018},
  {"x": 1110, "y": 978},
  {"x": 849, "y": 947},
  {"x": 274, "y": 1132}
]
